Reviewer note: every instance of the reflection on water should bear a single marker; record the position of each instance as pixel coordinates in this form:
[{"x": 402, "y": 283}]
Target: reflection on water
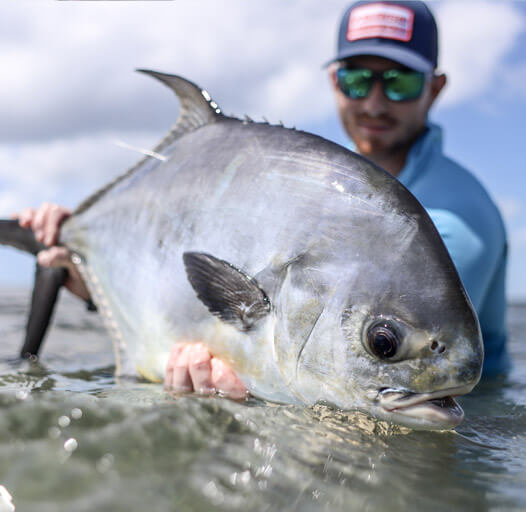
[{"x": 72, "y": 438}]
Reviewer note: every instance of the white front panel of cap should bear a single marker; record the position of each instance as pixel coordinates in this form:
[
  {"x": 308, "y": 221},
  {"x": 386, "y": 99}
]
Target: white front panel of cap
[{"x": 380, "y": 20}]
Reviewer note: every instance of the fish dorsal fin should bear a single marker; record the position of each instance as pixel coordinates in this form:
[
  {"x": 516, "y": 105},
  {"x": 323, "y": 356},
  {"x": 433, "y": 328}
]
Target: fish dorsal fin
[
  {"x": 197, "y": 107},
  {"x": 226, "y": 291}
]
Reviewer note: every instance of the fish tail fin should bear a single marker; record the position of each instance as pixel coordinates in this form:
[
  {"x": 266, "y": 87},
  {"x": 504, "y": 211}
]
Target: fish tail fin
[
  {"x": 45, "y": 291},
  {"x": 11, "y": 233},
  {"x": 48, "y": 282}
]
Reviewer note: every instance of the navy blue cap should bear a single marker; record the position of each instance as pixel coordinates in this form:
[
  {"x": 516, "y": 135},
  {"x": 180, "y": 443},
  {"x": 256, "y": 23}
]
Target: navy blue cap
[{"x": 405, "y": 32}]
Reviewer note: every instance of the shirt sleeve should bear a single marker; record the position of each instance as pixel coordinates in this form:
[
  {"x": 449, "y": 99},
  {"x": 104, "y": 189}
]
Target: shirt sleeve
[
  {"x": 467, "y": 252},
  {"x": 481, "y": 265}
]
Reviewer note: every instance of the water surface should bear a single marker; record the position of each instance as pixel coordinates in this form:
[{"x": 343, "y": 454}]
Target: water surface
[{"x": 73, "y": 438}]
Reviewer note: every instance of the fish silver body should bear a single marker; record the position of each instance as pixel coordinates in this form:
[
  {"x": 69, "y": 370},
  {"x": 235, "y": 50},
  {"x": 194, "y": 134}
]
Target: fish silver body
[{"x": 338, "y": 260}]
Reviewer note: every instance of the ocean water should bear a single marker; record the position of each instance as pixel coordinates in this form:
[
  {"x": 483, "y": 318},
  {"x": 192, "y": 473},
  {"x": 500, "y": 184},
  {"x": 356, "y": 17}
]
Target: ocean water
[{"x": 74, "y": 438}]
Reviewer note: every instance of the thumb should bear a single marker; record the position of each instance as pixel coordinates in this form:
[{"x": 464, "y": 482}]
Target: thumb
[{"x": 54, "y": 257}]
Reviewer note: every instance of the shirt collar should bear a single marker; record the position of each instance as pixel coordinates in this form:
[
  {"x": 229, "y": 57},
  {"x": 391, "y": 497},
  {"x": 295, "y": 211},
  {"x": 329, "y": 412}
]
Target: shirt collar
[{"x": 420, "y": 152}]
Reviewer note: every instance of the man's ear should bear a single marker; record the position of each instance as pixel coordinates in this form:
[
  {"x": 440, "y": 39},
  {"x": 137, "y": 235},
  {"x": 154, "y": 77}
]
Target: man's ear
[
  {"x": 438, "y": 82},
  {"x": 332, "y": 75}
]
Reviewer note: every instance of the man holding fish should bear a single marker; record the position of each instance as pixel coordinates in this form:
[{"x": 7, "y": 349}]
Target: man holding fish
[{"x": 385, "y": 81}]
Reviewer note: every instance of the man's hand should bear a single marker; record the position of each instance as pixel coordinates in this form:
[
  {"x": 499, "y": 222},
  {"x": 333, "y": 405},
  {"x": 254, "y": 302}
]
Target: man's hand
[
  {"x": 191, "y": 367},
  {"x": 45, "y": 223}
]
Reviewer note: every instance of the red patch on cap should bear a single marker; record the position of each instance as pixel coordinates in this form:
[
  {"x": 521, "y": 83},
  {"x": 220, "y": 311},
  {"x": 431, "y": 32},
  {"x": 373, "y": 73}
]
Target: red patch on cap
[{"x": 381, "y": 20}]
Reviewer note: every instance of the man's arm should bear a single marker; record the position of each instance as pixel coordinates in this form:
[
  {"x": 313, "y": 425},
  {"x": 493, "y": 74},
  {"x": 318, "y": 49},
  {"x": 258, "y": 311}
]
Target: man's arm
[
  {"x": 473, "y": 261},
  {"x": 481, "y": 265},
  {"x": 190, "y": 367}
]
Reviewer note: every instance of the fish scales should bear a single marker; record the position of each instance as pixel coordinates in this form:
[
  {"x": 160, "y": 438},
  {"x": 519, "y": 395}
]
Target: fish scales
[{"x": 243, "y": 223}]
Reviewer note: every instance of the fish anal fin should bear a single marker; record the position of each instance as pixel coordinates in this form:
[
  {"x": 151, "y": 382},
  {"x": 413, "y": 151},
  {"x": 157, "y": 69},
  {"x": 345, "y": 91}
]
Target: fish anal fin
[{"x": 226, "y": 291}]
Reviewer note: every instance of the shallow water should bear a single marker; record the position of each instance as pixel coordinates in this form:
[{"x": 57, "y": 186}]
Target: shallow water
[{"x": 73, "y": 438}]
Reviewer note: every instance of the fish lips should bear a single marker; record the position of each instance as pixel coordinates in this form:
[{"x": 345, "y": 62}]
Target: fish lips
[{"x": 437, "y": 410}]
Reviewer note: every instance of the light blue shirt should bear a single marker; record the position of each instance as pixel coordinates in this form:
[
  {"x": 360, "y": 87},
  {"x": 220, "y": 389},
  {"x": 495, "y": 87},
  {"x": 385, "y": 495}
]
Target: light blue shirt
[{"x": 473, "y": 231}]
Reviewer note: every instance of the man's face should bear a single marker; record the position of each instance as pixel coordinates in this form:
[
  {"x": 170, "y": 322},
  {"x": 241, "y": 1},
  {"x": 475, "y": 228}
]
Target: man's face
[{"x": 378, "y": 126}]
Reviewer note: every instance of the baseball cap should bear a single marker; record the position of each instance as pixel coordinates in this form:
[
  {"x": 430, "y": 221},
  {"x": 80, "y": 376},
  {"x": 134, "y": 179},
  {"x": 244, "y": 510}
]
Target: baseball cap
[{"x": 403, "y": 31}]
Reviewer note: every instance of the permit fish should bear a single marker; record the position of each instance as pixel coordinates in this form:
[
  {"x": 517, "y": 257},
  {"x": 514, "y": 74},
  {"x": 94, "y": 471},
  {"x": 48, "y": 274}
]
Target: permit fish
[{"x": 313, "y": 273}]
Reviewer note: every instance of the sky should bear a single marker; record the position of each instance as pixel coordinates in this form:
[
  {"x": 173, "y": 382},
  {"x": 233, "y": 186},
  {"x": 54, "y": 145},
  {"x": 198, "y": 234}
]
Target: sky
[{"x": 69, "y": 94}]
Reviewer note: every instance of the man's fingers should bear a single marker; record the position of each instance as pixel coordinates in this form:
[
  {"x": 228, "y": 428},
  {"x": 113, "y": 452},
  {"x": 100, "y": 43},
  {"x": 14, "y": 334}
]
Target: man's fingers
[
  {"x": 45, "y": 221},
  {"x": 225, "y": 380},
  {"x": 191, "y": 367},
  {"x": 55, "y": 217},
  {"x": 26, "y": 217},
  {"x": 181, "y": 381},
  {"x": 54, "y": 257},
  {"x": 174, "y": 353},
  {"x": 200, "y": 369},
  {"x": 39, "y": 221}
]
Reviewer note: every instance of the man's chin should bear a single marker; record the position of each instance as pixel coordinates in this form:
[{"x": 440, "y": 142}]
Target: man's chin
[
  {"x": 375, "y": 151},
  {"x": 373, "y": 143}
]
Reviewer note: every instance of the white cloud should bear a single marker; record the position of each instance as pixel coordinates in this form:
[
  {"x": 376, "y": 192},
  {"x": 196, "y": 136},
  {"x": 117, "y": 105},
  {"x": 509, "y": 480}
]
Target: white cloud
[
  {"x": 70, "y": 63},
  {"x": 63, "y": 170},
  {"x": 68, "y": 86},
  {"x": 71, "y": 88},
  {"x": 72, "y": 73},
  {"x": 475, "y": 38}
]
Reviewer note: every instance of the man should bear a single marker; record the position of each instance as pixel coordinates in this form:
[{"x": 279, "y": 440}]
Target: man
[{"x": 385, "y": 81}]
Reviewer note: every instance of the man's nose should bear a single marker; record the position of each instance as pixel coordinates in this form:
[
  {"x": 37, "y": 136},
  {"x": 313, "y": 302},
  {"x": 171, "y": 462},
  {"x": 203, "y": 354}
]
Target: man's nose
[{"x": 376, "y": 103}]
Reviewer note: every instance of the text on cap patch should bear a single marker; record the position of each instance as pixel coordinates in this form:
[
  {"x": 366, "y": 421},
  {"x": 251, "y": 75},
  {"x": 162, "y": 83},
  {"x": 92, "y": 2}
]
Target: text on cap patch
[{"x": 380, "y": 20}]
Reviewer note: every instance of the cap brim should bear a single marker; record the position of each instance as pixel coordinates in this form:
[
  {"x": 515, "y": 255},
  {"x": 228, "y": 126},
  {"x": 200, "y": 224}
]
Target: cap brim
[{"x": 401, "y": 55}]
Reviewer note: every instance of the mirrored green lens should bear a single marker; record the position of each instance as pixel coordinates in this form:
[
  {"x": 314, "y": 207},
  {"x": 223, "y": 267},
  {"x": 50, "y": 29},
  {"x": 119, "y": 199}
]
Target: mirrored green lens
[
  {"x": 355, "y": 83},
  {"x": 401, "y": 85},
  {"x": 397, "y": 84}
]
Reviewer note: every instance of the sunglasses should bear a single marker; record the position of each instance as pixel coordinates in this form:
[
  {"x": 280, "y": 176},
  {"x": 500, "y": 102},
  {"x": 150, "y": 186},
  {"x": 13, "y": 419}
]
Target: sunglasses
[{"x": 397, "y": 84}]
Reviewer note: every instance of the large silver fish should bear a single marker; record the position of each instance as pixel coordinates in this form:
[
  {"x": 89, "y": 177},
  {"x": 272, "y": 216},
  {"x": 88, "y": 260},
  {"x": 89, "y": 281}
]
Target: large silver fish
[{"x": 313, "y": 273}]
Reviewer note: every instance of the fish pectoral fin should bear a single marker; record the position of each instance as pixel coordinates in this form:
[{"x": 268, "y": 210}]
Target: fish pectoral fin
[{"x": 226, "y": 291}]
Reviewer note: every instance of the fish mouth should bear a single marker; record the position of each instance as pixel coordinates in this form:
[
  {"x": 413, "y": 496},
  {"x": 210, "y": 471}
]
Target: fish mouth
[{"x": 436, "y": 410}]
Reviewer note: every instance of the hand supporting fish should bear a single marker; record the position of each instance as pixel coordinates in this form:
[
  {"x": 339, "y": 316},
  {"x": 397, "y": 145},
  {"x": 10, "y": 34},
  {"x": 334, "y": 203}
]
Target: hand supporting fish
[
  {"x": 45, "y": 223},
  {"x": 190, "y": 367}
]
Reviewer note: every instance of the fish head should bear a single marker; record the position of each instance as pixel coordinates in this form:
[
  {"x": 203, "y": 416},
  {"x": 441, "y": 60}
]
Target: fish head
[
  {"x": 398, "y": 338},
  {"x": 406, "y": 370}
]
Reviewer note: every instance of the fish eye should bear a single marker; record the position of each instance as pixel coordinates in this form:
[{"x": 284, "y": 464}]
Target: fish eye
[{"x": 383, "y": 340}]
